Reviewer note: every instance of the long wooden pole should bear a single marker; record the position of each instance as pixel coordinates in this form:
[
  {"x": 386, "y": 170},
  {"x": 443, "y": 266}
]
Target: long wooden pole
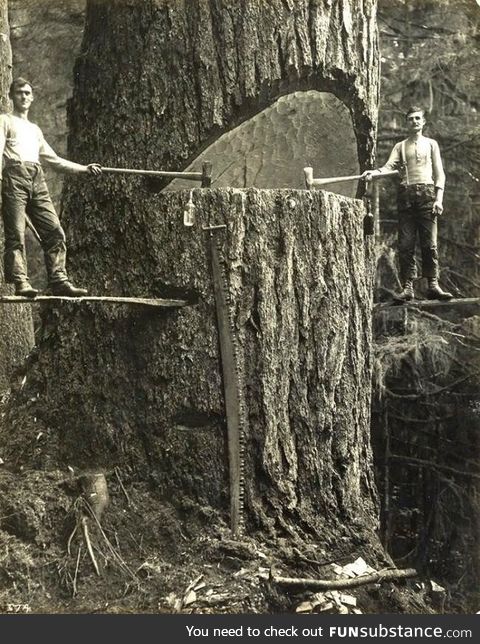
[
  {"x": 312, "y": 183},
  {"x": 205, "y": 176},
  {"x": 197, "y": 176}
]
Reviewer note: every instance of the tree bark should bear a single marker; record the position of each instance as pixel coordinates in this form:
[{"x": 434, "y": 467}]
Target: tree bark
[
  {"x": 16, "y": 329},
  {"x": 155, "y": 83},
  {"x": 145, "y": 389},
  {"x": 182, "y": 73}
]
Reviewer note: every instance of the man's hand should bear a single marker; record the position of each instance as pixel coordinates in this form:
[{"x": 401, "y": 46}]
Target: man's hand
[
  {"x": 95, "y": 169},
  {"x": 437, "y": 208},
  {"x": 369, "y": 174}
]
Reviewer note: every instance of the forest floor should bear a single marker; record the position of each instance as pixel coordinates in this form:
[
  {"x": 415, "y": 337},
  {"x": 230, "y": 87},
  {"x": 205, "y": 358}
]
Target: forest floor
[{"x": 153, "y": 558}]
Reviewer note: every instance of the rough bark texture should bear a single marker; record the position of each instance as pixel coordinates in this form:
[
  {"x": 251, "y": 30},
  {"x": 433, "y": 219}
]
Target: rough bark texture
[
  {"x": 16, "y": 330},
  {"x": 182, "y": 73},
  {"x": 156, "y": 82},
  {"x": 147, "y": 390},
  {"x": 5, "y": 57}
]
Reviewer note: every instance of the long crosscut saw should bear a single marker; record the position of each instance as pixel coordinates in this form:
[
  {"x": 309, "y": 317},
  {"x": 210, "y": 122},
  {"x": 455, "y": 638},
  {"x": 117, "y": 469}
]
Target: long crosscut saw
[{"x": 233, "y": 382}]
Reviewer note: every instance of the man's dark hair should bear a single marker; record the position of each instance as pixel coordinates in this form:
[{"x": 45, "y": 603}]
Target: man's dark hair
[
  {"x": 415, "y": 108},
  {"x": 17, "y": 83}
]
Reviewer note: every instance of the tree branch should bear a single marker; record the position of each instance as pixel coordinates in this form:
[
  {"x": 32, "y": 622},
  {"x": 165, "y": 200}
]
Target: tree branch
[
  {"x": 425, "y": 394},
  {"x": 340, "y": 584},
  {"x": 420, "y": 462}
]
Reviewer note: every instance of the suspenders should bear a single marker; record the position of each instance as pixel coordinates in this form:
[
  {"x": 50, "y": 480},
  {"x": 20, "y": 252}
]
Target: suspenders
[{"x": 403, "y": 156}]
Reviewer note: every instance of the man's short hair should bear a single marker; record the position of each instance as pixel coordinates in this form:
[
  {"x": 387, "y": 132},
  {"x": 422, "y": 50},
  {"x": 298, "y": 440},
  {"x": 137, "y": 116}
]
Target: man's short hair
[
  {"x": 17, "y": 83},
  {"x": 415, "y": 108}
]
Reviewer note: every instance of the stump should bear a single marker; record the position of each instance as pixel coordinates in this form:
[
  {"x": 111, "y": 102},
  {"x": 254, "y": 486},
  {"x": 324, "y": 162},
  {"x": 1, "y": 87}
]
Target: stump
[{"x": 143, "y": 387}]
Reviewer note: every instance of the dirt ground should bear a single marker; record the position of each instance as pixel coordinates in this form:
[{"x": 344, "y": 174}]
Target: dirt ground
[
  {"x": 62, "y": 553},
  {"x": 154, "y": 558}
]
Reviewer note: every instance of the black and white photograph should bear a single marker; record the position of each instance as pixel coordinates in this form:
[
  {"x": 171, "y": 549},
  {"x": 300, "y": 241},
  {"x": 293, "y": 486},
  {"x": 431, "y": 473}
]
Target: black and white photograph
[{"x": 240, "y": 308}]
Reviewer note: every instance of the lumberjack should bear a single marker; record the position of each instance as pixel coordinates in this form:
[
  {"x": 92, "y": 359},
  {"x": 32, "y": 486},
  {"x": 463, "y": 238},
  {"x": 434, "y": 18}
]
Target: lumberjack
[
  {"x": 420, "y": 201},
  {"x": 25, "y": 194}
]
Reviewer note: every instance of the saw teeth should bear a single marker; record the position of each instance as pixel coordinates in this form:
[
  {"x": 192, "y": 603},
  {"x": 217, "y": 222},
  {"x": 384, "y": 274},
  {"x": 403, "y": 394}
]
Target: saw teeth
[{"x": 237, "y": 490}]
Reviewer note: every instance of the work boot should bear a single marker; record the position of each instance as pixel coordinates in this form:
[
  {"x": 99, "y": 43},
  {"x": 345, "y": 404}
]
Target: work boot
[
  {"x": 25, "y": 289},
  {"x": 407, "y": 294},
  {"x": 435, "y": 292},
  {"x": 67, "y": 289}
]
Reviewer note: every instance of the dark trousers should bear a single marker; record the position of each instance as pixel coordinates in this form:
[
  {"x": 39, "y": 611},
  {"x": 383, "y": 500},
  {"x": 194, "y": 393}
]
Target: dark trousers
[
  {"x": 415, "y": 203},
  {"x": 24, "y": 191}
]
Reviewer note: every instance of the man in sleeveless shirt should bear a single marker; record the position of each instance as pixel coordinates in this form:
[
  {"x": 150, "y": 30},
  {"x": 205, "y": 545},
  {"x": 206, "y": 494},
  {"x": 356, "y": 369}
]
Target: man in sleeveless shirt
[
  {"x": 24, "y": 191},
  {"x": 420, "y": 201}
]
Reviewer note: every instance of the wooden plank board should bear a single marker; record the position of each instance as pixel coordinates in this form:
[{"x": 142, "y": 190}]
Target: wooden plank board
[
  {"x": 132, "y": 301},
  {"x": 428, "y": 304}
]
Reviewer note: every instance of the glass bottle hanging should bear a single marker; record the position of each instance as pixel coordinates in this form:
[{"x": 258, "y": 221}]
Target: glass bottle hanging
[{"x": 189, "y": 212}]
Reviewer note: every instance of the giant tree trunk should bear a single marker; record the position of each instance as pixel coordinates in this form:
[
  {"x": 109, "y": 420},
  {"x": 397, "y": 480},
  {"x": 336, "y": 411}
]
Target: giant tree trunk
[
  {"x": 156, "y": 82},
  {"x": 145, "y": 389},
  {"x": 181, "y": 73},
  {"x": 16, "y": 330}
]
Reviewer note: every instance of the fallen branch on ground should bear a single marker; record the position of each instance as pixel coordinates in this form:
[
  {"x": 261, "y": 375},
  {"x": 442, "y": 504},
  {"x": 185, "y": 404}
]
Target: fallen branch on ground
[{"x": 340, "y": 584}]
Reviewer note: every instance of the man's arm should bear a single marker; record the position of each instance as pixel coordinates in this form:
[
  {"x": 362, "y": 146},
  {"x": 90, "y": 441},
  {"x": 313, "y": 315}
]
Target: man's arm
[
  {"x": 438, "y": 178},
  {"x": 3, "y": 140},
  {"x": 394, "y": 163},
  {"x": 50, "y": 157}
]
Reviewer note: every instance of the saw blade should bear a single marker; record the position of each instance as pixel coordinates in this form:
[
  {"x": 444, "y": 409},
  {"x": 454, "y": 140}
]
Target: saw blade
[{"x": 233, "y": 383}]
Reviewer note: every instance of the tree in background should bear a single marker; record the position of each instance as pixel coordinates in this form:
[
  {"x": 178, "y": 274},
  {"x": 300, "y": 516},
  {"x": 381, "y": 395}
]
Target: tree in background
[
  {"x": 426, "y": 423},
  {"x": 430, "y": 57},
  {"x": 16, "y": 330}
]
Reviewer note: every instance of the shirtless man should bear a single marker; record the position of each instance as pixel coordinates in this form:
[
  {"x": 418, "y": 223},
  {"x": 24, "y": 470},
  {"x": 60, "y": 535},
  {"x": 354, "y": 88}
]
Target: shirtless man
[
  {"x": 420, "y": 201},
  {"x": 24, "y": 191}
]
